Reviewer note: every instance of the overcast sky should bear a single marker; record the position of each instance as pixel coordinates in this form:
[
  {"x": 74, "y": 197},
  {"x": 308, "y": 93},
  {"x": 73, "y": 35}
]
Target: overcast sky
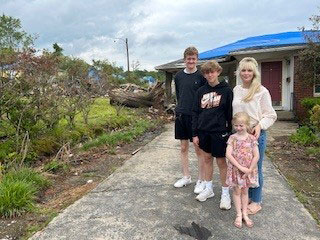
[{"x": 158, "y": 30}]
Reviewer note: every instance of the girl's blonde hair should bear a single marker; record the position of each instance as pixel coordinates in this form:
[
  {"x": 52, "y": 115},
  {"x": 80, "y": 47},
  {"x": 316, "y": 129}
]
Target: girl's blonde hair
[
  {"x": 250, "y": 63},
  {"x": 242, "y": 117}
]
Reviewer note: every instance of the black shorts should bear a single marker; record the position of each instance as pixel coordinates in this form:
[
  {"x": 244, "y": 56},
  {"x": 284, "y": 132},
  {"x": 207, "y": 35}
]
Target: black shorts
[
  {"x": 214, "y": 143},
  {"x": 183, "y": 127}
]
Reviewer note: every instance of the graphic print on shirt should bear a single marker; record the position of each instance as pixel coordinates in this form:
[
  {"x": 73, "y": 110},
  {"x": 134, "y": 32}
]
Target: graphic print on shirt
[{"x": 210, "y": 100}]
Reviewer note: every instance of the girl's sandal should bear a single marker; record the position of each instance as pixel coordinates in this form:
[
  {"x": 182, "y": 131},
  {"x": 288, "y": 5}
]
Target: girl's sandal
[
  {"x": 238, "y": 221},
  {"x": 247, "y": 221}
]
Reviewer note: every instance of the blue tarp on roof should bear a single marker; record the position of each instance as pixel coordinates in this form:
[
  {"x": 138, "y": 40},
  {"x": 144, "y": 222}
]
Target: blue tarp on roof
[{"x": 264, "y": 41}]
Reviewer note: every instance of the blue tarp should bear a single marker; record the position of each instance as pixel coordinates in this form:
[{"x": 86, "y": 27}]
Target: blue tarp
[{"x": 264, "y": 41}]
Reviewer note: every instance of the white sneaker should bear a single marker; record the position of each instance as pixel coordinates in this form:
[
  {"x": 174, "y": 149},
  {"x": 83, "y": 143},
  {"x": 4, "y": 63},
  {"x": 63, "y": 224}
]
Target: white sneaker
[
  {"x": 205, "y": 194},
  {"x": 182, "y": 182},
  {"x": 225, "y": 202},
  {"x": 199, "y": 187}
]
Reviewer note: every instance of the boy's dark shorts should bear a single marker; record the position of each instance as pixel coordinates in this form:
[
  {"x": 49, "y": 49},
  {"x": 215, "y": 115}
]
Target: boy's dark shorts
[
  {"x": 183, "y": 127},
  {"x": 214, "y": 143}
]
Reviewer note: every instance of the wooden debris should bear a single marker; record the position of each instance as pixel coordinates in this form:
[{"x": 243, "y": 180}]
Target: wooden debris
[
  {"x": 135, "y": 151},
  {"x": 131, "y": 95}
]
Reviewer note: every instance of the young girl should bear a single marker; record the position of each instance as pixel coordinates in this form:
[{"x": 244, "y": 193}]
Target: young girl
[
  {"x": 242, "y": 154},
  {"x": 253, "y": 98}
]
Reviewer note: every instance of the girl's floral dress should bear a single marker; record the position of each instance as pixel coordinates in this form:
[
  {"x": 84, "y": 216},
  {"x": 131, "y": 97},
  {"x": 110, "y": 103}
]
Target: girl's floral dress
[{"x": 243, "y": 153}]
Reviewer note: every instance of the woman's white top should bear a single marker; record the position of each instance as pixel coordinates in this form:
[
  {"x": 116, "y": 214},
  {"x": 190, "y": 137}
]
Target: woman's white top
[{"x": 259, "y": 107}]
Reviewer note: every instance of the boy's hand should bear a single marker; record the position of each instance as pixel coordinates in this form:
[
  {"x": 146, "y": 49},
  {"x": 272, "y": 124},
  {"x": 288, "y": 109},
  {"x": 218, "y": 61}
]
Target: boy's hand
[{"x": 195, "y": 141}]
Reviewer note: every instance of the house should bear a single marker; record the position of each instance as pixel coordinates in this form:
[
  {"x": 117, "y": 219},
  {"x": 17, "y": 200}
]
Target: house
[
  {"x": 149, "y": 80},
  {"x": 277, "y": 58},
  {"x": 93, "y": 74}
]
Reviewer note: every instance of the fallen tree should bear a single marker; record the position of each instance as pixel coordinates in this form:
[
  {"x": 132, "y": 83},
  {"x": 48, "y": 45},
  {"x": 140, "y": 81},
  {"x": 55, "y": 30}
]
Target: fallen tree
[{"x": 131, "y": 95}]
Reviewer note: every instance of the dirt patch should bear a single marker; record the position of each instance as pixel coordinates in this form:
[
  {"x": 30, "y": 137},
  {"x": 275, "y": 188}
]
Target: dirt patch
[
  {"x": 301, "y": 171},
  {"x": 86, "y": 171}
]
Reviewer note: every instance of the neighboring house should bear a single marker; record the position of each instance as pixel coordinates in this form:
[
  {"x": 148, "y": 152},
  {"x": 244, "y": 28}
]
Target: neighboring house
[
  {"x": 8, "y": 71},
  {"x": 150, "y": 80},
  {"x": 93, "y": 74},
  {"x": 277, "y": 58}
]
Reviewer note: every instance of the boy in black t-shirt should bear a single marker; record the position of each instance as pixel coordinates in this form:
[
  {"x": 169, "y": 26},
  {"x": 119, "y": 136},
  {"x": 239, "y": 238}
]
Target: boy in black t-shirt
[
  {"x": 187, "y": 81},
  {"x": 211, "y": 126}
]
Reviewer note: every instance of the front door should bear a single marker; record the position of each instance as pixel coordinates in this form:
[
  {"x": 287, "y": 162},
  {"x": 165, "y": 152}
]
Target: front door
[{"x": 271, "y": 76}]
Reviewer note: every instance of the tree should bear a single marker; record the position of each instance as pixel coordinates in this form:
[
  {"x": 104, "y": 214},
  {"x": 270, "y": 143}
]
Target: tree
[
  {"x": 309, "y": 58},
  {"x": 57, "y": 49},
  {"x": 12, "y": 36}
]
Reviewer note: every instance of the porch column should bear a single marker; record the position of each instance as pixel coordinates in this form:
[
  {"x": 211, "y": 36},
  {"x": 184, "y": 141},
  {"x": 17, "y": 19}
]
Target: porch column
[{"x": 168, "y": 90}]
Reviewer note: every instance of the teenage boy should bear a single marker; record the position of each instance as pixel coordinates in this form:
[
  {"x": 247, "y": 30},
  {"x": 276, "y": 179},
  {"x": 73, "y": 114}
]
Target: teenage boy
[
  {"x": 187, "y": 82},
  {"x": 211, "y": 126}
]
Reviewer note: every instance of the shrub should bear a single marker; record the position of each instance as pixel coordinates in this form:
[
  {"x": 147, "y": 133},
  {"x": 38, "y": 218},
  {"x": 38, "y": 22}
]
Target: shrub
[
  {"x": 27, "y": 175},
  {"x": 46, "y": 145},
  {"x": 31, "y": 157},
  {"x": 315, "y": 116},
  {"x": 304, "y": 136},
  {"x": 16, "y": 197},
  {"x": 6, "y": 148},
  {"x": 309, "y": 103}
]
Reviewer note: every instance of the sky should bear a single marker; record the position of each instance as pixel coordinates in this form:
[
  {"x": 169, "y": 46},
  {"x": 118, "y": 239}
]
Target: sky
[{"x": 158, "y": 31}]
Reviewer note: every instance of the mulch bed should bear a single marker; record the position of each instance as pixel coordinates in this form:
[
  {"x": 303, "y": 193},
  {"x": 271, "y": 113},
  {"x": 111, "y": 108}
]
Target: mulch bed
[{"x": 301, "y": 171}]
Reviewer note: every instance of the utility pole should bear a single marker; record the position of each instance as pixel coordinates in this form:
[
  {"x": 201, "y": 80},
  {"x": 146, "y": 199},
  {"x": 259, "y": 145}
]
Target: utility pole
[
  {"x": 127, "y": 48},
  {"x": 127, "y": 55}
]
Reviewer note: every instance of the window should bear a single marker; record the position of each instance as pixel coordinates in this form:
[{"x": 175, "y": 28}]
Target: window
[{"x": 316, "y": 92}]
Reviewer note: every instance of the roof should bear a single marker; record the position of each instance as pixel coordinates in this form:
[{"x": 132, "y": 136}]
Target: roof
[
  {"x": 257, "y": 42},
  {"x": 179, "y": 64},
  {"x": 270, "y": 42}
]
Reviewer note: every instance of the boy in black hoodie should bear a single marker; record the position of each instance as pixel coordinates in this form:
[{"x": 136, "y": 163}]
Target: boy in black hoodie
[{"x": 211, "y": 127}]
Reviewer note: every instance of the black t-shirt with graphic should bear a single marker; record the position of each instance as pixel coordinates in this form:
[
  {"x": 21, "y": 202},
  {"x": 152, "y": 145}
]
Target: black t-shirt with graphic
[
  {"x": 186, "y": 87},
  {"x": 212, "y": 109}
]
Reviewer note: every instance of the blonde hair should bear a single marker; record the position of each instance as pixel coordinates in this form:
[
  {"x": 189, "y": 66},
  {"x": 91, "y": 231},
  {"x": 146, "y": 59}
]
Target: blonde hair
[
  {"x": 250, "y": 63},
  {"x": 190, "y": 51},
  {"x": 242, "y": 117},
  {"x": 211, "y": 66}
]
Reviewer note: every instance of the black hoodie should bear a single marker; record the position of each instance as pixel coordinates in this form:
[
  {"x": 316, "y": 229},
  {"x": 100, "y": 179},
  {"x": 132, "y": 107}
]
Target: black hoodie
[{"x": 212, "y": 109}]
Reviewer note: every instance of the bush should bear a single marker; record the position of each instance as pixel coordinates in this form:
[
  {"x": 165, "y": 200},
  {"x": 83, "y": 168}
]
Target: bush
[
  {"x": 16, "y": 197},
  {"x": 309, "y": 103},
  {"x": 304, "y": 136},
  {"x": 46, "y": 145},
  {"x": 6, "y": 148},
  {"x": 315, "y": 116},
  {"x": 27, "y": 175}
]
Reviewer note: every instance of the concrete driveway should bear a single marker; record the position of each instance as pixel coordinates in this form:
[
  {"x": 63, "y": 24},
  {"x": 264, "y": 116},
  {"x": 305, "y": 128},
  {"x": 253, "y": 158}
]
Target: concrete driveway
[{"x": 138, "y": 201}]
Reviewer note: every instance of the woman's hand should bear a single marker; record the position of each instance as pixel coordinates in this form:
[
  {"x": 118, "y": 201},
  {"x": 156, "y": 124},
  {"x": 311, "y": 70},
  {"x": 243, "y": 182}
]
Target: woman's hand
[
  {"x": 195, "y": 141},
  {"x": 256, "y": 131}
]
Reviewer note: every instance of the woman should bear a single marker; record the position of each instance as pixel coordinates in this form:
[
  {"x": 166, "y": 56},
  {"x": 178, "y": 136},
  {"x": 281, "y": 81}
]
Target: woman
[{"x": 254, "y": 99}]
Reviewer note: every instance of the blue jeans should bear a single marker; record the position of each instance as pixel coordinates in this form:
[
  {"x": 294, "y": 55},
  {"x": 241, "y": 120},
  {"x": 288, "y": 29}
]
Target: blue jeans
[{"x": 255, "y": 194}]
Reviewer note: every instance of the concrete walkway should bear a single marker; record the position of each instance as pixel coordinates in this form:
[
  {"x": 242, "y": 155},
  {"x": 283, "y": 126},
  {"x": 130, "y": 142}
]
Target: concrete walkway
[{"x": 139, "y": 201}]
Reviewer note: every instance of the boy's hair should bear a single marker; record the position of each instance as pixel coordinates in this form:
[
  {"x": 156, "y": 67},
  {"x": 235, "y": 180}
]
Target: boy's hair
[
  {"x": 190, "y": 51},
  {"x": 211, "y": 66},
  {"x": 242, "y": 117}
]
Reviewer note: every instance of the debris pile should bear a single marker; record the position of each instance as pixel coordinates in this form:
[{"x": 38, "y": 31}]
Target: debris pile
[{"x": 132, "y": 95}]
